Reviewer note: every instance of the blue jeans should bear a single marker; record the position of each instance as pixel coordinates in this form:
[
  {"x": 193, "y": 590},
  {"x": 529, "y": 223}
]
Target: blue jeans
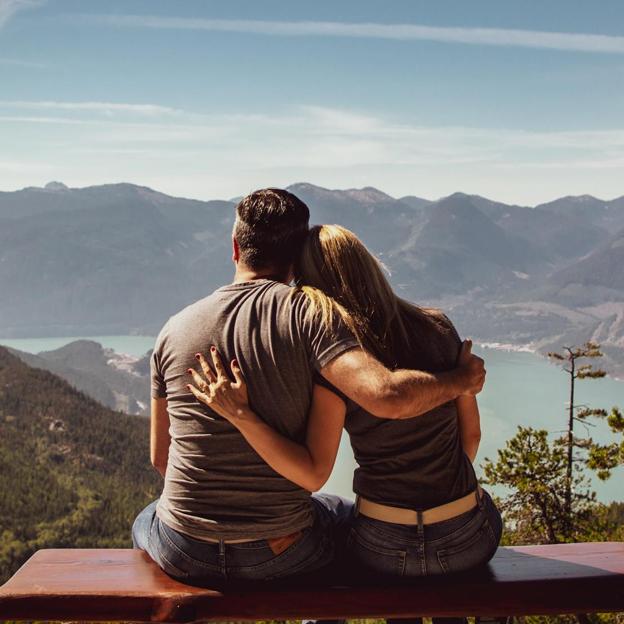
[
  {"x": 199, "y": 562},
  {"x": 397, "y": 550}
]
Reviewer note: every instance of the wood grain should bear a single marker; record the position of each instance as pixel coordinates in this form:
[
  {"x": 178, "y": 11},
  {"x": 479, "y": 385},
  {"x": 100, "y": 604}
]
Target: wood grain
[{"x": 98, "y": 585}]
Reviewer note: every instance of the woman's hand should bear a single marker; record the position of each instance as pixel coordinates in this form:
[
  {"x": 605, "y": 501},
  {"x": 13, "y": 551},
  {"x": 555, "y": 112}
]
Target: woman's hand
[
  {"x": 228, "y": 399},
  {"x": 306, "y": 465}
]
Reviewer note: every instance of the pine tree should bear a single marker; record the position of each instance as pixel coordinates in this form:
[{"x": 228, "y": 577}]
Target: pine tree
[
  {"x": 550, "y": 499},
  {"x": 603, "y": 458},
  {"x": 577, "y": 413},
  {"x": 533, "y": 470}
]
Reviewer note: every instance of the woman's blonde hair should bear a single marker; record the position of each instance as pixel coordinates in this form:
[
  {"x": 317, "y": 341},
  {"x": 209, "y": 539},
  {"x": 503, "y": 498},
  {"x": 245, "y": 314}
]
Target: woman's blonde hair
[{"x": 339, "y": 275}]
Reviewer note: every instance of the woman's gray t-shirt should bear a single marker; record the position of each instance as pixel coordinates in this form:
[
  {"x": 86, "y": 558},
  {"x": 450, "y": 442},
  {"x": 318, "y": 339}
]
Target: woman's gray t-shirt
[
  {"x": 417, "y": 463},
  {"x": 216, "y": 485}
]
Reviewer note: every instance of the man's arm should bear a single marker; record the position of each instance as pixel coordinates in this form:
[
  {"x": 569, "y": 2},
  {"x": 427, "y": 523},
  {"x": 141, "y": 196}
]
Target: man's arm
[
  {"x": 402, "y": 394},
  {"x": 159, "y": 435}
]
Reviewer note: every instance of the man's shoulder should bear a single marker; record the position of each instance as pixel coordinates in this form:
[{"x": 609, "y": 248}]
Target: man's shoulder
[
  {"x": 189, "y": 310},
  {"x": 220, "y": 296},
  {"x": 183, "y": 317}
]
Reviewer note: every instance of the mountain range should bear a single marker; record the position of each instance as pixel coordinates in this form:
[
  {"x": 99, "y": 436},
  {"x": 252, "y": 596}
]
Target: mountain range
[
  {"x": 117, "y": 381},
  {"x": 121, "y": 258}
]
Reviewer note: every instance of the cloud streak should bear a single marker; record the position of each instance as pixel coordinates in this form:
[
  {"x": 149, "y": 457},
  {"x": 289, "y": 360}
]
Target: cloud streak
[
  {"x": 319, "y": 135},
  {"x": 108, "y": 108},
  {"x": 504, "y": 37},
  {"x": 8, "y": 8},
  {"x": 228, "y": 153},
  {"x": 20, "y": 63}
]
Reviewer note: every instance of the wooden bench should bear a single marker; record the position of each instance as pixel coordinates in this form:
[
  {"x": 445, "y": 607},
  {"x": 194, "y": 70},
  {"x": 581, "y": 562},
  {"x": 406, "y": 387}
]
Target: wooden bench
[{"x": 124, "y": 585}]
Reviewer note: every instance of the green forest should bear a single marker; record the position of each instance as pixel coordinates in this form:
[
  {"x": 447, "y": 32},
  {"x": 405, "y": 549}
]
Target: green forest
[{"x": 72, "y": 472}]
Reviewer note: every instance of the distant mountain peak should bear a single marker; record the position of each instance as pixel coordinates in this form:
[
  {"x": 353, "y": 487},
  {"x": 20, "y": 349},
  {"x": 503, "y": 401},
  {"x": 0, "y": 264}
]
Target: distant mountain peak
[
  {"x": 56, "y": 186},
  {"x": 367, "y": 194},
  {"x": 469, "y": 196},
  {"x": 582, "y": 199}
]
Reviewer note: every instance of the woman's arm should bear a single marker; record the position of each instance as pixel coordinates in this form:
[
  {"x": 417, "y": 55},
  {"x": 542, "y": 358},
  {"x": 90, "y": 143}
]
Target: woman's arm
[
  {"x": 468, "y": 417},
  {"x": 309, "y": 465},
  {"x": 469, "y": 422}
]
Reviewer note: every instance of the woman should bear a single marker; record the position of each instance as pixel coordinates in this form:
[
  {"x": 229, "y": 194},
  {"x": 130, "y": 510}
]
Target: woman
[{"x": 420, "y": 510}]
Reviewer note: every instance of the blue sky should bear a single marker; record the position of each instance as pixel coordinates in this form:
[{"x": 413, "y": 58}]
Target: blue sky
[{"x": 518, "y": 101}]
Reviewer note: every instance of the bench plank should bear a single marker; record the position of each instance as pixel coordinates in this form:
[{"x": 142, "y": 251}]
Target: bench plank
[{"x": 124, "y": 584}]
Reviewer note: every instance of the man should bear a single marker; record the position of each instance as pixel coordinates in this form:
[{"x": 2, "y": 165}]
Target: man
[{"x": 224, "y": 513}]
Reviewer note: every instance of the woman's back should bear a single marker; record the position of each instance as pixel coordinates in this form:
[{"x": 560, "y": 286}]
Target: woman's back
[{"x": 415, "y": 463}]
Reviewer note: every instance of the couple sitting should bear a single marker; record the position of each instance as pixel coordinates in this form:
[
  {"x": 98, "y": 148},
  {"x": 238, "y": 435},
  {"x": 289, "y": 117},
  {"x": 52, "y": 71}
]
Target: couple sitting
[{"x": 241, "y": 448}]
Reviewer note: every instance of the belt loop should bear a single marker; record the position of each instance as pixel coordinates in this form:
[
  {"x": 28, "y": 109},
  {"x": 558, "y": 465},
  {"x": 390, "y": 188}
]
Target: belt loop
[
  {"x": 421, "y": 528},
  {"x": 480, "y": 497},
  {"x": 356, "y": 508},
  {"x": 222, "y": 557}
]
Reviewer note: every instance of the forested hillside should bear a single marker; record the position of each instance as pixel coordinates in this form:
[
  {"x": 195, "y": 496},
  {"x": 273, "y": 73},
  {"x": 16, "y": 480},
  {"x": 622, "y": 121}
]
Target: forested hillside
[{"x": 72, "y": 472}]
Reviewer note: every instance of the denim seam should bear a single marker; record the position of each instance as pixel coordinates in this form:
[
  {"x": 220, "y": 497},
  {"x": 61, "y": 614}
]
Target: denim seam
[
  {"x": 178, "y": 572},
  {"x": 191, "y": 560},
  {"x": 275, "y": 559},
  {"x": 443, "y": 553},
  {"x": 306, "y": 564},
  {"x": 355, "y": 537},
  {"x": 421, "y": 549},
  {"x": 255, "y": 545},
  {"x": 389, "y": 533},
  {"x": 476, "y": 520}
]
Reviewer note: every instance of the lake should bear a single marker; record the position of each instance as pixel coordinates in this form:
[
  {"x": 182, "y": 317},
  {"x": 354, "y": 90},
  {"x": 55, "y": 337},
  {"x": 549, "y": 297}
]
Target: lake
[{"x": 521, "y": 389}]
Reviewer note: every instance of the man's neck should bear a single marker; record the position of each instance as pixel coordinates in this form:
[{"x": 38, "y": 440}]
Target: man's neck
[{"x": 245, "y": 274}]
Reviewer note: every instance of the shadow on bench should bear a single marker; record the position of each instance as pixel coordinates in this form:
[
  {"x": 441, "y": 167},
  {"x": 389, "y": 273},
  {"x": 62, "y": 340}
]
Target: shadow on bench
[{"x": 116, "y": 585}]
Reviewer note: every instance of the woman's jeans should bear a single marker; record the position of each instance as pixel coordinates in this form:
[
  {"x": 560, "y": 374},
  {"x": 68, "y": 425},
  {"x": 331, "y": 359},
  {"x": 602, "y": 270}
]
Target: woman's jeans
[
  {"x": 397, "y": 550},
  {"x": 196, "y": 562}
]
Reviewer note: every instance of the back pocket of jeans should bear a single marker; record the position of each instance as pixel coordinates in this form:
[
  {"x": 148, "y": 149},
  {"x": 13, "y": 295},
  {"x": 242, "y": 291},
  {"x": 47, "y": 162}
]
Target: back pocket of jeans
[
  {"x": 474, "y": 550},
  {"x": 374, "y": 556}
]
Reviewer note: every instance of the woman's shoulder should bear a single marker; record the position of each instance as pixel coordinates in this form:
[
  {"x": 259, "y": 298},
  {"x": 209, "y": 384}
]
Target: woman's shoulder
[
  {"x": 439, "y": 319},
  {"x": 437, "y": 336}
]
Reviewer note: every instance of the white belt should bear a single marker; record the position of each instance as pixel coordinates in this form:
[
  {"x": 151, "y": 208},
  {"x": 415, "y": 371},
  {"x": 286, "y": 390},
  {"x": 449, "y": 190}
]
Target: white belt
[{"x": 398, "y": 515}]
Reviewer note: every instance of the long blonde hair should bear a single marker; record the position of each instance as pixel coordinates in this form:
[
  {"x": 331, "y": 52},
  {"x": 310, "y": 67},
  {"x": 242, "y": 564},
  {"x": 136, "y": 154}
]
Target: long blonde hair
[{"x": 339, "y": 275}]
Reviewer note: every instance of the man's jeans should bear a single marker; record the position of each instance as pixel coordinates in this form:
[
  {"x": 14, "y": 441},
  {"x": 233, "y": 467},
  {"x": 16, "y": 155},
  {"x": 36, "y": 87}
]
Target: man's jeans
[
  {"x": 395, "y": 550},
  {"x": 199, "y": 562}
]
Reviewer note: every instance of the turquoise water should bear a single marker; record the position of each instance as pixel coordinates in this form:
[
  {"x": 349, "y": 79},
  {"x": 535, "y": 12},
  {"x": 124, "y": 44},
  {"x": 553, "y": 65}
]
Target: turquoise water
[{"x": 521, "y": 389}]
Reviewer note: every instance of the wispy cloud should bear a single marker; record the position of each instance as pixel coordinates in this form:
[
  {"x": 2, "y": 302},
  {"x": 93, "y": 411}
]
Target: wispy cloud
[
  {"x": 21, "y": 63},
  {"x": 228, "y": 153},
  {"x": 506, "y": 37},
  {"x": 13, "y": 166},
  {"x": 8, "y": 8},
  {"x": 318, "y": 136},
  {"x": 107, "y": 108}
]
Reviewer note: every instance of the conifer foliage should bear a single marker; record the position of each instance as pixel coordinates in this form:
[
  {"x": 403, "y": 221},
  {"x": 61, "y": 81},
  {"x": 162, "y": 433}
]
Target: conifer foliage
[
  {"x": 549, "y": 498},
  {"x": 73, "y": 474}
]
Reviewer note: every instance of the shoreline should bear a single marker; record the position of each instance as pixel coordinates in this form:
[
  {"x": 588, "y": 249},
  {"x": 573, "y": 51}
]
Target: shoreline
[
  {"x": 529, "y": 348},
  {"x": 508, "y": 346}
]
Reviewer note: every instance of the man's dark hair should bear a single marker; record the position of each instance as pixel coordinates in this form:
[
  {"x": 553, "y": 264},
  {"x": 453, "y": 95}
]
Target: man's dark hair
[{"x": 270, "y": 228}]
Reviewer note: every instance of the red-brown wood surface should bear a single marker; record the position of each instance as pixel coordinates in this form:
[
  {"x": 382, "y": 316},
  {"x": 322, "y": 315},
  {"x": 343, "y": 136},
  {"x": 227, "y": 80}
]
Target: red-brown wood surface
[{"x": 125, "y": 585}]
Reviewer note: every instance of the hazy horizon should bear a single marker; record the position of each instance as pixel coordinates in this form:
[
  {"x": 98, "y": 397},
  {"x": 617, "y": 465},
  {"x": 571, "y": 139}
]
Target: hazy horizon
[{"x": 234, "y": 197}]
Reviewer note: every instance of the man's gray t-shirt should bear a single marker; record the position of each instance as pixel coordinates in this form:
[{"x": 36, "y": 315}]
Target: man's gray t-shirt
[{"x": 216, "y": 485}]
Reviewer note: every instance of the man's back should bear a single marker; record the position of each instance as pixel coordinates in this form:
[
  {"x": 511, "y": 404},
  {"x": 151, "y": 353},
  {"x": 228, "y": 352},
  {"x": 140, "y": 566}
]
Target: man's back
[{"x": 216, "y": 486}]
